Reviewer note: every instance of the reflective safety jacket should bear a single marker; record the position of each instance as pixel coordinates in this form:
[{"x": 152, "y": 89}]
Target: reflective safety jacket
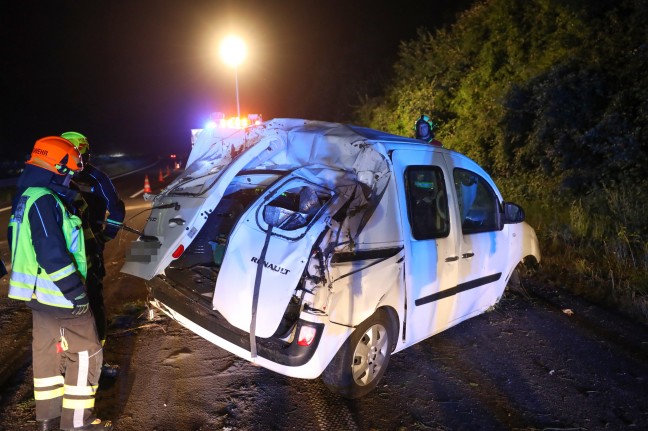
[{"x": 28, "y": 277}]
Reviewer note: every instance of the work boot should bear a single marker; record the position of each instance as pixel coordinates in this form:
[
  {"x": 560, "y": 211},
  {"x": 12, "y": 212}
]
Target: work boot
[
  {"x": 95, "y": 425},
  {"x": 110, "y": 370},
  {"x": 49, "y": 424}
]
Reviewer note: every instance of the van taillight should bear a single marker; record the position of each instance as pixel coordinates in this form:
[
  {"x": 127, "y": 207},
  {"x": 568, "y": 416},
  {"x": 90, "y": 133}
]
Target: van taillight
[
  {"x": 178, "y": 251},
  {"x": 306, "y": 335}
]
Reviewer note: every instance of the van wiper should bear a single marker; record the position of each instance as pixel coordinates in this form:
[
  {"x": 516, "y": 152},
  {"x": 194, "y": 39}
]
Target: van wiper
[
  {"x": 193, "y": 195},
  {"x": 174, "y": 205}
]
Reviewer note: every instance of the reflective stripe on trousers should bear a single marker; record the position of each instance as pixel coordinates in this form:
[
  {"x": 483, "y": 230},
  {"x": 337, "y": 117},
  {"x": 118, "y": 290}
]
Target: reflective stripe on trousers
[
  {"x": 72, "y": 395},
  {"x": 48, "y": 388}
]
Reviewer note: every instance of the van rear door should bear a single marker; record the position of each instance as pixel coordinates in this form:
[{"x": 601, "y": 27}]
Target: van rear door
[{"x": 270, "y": 246}]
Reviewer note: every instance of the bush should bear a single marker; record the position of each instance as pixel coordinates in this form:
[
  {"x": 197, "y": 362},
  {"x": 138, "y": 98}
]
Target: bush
[{"x": 552, "y": 98}]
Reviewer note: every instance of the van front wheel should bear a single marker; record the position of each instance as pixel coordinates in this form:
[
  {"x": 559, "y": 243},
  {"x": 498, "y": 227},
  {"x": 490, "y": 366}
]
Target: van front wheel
[{"x": 362, "y": 360}]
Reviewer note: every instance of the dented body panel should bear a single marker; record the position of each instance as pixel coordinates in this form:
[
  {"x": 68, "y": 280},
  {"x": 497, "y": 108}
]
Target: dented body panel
[{"x": 296, "y": 232}]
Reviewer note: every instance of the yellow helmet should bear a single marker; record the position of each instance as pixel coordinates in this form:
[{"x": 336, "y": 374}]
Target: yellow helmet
[
  {"x": 57, "y": 155},
  {"x": 78, "y": 140}
]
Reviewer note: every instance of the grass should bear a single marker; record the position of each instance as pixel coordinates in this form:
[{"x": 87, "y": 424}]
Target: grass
[{"x": 597, "y": 247}]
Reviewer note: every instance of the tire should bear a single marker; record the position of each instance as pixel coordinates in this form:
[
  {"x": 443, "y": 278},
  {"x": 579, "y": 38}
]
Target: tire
[{"x": 362, "y": 360}]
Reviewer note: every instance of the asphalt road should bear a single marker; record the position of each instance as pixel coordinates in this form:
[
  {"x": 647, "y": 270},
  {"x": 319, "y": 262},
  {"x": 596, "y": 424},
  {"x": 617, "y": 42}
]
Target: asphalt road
[{"x": 541, "y": 360}]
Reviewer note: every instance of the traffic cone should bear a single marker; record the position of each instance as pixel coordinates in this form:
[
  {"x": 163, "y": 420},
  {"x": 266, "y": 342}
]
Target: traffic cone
[
  {"x": 160, "y": 177},
  {"x": 168, "y": 171},
  {"x": 147, "y": 185}
]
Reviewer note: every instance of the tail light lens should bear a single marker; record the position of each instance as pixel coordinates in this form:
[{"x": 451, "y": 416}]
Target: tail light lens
[
  {"x": 178, "y": 251},
  {"x": 306, "y": 335}
]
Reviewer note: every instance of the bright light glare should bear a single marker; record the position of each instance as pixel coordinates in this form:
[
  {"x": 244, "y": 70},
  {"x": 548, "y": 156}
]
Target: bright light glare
[
  {"x": 233, "y": 50},
  {"x": 229, "y": 123}
]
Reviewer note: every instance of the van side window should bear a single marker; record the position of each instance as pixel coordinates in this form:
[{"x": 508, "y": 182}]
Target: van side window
[
  {"x": 427, "y": 202},
  {"x": 478, "y": 205}
]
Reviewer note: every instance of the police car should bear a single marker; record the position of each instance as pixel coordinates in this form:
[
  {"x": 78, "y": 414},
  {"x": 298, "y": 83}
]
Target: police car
[{"x": 318, "y": 249}]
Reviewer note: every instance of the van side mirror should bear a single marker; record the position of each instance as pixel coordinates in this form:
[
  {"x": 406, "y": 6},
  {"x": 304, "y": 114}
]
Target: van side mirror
[{"x": 513, "y": 213}]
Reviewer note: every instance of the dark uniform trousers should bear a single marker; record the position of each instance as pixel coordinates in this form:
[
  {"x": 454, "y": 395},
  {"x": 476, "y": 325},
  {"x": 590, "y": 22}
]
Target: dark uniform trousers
[
  {"x": 65, "y": 381},
  {"x": 96, "y": 271},
  {"x": 94, "y": 283}
]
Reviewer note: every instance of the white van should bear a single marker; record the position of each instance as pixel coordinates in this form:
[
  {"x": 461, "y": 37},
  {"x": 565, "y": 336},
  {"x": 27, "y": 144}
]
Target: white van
[{"x": 320, "y": 249}]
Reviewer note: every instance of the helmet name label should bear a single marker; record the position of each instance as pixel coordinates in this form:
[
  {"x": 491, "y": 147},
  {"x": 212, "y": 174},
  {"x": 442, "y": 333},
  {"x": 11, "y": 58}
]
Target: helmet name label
[{"x": 40, "y": 151}]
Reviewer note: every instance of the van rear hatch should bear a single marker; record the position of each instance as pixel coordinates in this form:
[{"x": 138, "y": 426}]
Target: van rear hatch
[{"x": 255, "y": 204}]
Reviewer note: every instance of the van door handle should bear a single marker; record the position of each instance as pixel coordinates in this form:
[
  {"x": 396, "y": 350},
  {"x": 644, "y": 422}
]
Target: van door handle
[
  {"x": 452, "y": 258},
  {"x": 467, "y": 255}
]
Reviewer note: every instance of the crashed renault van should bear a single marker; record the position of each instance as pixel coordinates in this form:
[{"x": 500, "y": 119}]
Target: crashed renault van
[{"x": 320, "y": 249}]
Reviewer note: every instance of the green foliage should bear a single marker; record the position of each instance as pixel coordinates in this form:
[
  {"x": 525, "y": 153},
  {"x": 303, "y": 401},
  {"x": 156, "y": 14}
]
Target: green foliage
[{"x": 550, "y": 96}]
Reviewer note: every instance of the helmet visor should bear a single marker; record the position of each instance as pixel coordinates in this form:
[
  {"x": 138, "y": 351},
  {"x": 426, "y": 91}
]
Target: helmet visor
[
  {"x": 70, "y": 164},
  {"x": 422, "y": 130}
]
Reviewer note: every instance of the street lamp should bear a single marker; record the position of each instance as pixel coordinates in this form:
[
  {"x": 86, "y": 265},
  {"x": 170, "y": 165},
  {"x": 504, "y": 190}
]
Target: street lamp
[{"x": 232, "y": 50}]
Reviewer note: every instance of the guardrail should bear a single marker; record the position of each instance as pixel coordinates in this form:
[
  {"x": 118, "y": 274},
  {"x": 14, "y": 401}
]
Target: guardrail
[{"x": 115, "y": 168}]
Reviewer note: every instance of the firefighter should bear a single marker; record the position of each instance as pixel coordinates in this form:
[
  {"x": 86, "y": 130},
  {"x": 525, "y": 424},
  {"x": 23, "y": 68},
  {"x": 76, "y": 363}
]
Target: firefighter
[
  {"x": 424, "y": 130},
  {"x": 48, "y": 271},
  {"x": 102, "y": 219}
]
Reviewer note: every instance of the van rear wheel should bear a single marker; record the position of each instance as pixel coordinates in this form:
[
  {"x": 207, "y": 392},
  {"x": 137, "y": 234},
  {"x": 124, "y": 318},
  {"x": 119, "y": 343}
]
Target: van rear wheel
[{"x": 362, "y": 360}]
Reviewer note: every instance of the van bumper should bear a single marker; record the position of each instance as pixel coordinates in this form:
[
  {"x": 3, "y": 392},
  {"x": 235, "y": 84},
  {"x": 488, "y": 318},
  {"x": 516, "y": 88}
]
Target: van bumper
[{"x": 182, "y": 305}]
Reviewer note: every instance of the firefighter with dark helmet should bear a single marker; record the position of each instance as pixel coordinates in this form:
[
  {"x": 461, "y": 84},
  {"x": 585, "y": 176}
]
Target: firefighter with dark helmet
[
  {"x": 102, "y": 216},
  {"x": 106, "y": 209},
  {"x": 48, "y": 272},
  {"x": 424, "y": 130}
]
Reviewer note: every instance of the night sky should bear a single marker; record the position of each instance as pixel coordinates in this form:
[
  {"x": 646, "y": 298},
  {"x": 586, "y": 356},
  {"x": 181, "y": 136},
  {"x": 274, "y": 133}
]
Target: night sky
[{"x": 137, "y": 75}]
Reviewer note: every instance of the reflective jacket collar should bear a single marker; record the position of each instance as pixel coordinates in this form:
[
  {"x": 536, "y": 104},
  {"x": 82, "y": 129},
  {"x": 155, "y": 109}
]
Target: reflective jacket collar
[{"x": 34, "y": 176}]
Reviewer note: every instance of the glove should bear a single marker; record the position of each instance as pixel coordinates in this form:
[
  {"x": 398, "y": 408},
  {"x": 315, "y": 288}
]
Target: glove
[
  {"x": 107, "y": 236},
  {"x": 81, "y": 304}
]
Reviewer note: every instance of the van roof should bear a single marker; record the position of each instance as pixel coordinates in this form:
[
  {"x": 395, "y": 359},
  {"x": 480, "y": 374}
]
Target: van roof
[
  {"x": 392, "y": 142},
  {"x": 377, "y": 135}
]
